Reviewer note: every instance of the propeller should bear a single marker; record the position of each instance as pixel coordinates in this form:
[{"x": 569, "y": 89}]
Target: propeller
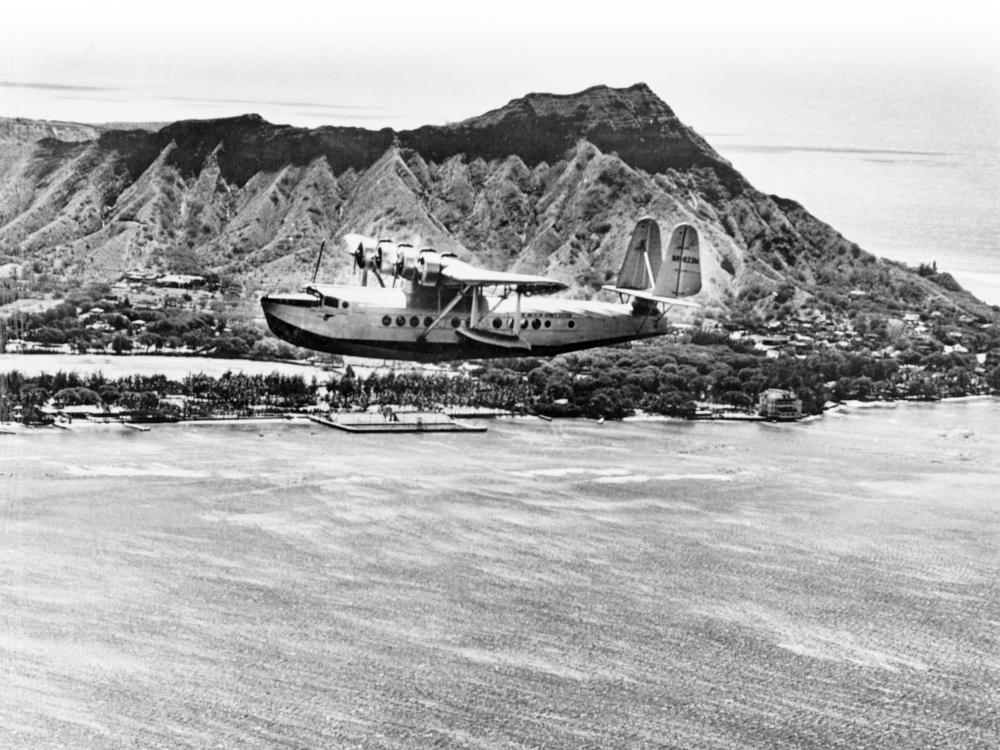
[{"x": 361, "y": 249}]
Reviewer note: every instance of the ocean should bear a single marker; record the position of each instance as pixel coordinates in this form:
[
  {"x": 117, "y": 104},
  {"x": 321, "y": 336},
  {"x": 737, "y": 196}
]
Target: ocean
[
  {"x": 902, "y": 159},
  {"x": 917, "y": 207},
  {"x": 831, "y": 584}
]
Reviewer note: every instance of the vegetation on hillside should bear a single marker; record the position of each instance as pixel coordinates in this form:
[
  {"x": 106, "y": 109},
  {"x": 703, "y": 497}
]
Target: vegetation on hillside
[{"x": 663, "y": 377}]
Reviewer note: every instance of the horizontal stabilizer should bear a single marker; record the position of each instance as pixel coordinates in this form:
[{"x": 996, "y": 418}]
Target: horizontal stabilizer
[{"x": 650, "y": 297}]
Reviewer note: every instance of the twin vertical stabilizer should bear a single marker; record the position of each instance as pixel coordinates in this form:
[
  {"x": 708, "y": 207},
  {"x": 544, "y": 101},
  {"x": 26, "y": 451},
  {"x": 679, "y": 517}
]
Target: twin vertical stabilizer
[
  {"x": 643, "y": 257},
  {"x": 647, "y": 275},
  {"x": 680, "y": 274}
]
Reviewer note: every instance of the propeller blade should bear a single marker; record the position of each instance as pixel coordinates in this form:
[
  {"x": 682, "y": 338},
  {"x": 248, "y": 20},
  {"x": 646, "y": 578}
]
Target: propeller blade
[{"x": 318, "y": 259}]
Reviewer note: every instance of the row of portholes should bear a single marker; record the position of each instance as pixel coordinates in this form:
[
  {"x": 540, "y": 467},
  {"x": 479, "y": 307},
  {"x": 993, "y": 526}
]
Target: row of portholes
[
  {"x": 536, "y": 323},
  {"x": 414, "y": 321}
]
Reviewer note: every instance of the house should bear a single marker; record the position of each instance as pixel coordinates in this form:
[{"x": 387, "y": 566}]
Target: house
[
  {"x": 40, "y": 348},
  {"x": 180, "y": 280},
  {"x": 779, "y": 405}
]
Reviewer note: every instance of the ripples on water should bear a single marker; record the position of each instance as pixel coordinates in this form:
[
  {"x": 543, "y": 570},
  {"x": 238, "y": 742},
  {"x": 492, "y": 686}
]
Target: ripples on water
[{"x": 830, "y": 584}]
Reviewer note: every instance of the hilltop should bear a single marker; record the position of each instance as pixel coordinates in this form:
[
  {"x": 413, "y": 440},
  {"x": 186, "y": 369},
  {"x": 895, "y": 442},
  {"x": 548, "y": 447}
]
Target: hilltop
[{"x": 547, "y": 184}]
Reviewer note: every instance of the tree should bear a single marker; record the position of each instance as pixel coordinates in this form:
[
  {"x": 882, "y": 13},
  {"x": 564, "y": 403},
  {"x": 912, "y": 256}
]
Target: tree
[
  {"x": 147, "y": 401},
  {"x": 148, "y": 339},
  {"x": 606, "y": 403},
  {"x": 77, "y": 395},
  {"x": 121, "y": 343},
  {"x": 674, "y": 404},
  {"x": 231, "y": 346},
  {"x": 739, "y": 399},
  {"x": 109, "y": 395},
  {"x": 49, "y": 335}
]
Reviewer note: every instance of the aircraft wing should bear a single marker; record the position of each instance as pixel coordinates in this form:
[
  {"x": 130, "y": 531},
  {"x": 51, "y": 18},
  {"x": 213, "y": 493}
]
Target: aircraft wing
[
  {"x": 674, "y": 301},
  {"x": 457, "y": 272}
]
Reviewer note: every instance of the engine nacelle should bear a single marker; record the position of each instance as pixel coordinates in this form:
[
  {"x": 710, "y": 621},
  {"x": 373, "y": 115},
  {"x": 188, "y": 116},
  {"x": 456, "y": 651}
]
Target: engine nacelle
[
  {"x": 406, "y": 262},
  {"x": 386, "y": 255},
  {"x": 366, "y": 257},
  {"x": 429, "y": 267}
]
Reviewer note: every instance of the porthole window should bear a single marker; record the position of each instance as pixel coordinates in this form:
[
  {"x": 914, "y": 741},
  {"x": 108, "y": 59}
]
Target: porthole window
[
  {"x": 345, "y": 305},
  {"x": 548, "y": 323},
  {"x": 497, "y": 323},
  {"x": 428, "y": 320},
  {"x": 510, "y": 323},
  {"x": 386, "y": 320},
  {"x": 400, "y": 320},
  {"x": 456, "y": 322},
  {"x": 524, "y": 324},
  {"x": 571, "y": 324},
  {"x": 536, "y": 324},
  {"x": 414, "y": 321}
]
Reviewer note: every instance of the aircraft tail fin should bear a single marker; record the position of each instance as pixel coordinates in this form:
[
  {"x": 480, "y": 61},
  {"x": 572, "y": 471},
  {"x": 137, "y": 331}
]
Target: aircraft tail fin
[
  {"x": 680, "y": 273},
  {"x": 643, "y": 257}
]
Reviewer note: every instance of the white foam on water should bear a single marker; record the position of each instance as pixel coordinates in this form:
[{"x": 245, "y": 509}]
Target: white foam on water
[
  {"x": 810, "y": 639},
  {"x": 703, "y": 477},
  {"x": 625, "y": 479},
  {"x": 638, "y": 478},
  {"x": 569, "y": 471},
  {"x": 843, "y": 647},
  {"x": 152, "y": 470}
]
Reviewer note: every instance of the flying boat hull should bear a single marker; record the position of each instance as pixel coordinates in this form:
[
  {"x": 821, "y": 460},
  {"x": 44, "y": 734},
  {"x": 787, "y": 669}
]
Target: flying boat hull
[
  {"x": 379, "y": 323},
  {"x": 441, "y": 312}
]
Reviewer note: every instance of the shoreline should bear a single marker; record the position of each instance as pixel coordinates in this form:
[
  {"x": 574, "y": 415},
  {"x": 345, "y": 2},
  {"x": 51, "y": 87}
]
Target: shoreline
[
  {"x": 303, "y": 420},
  {"x": 173, "y": 366}
]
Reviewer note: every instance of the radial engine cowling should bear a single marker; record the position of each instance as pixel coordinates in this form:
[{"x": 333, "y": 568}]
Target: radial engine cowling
[
  {"x": 385, "y": 257},
  {"x": 406, "y": 262},
  {"x": 429, "y": 267}
]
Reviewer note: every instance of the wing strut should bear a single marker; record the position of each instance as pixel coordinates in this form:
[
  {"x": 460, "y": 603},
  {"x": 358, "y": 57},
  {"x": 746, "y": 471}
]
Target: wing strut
[{"x": 450, "y": 306}]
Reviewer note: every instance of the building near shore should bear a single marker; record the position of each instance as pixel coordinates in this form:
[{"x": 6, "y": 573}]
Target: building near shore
[{"x": 779, "y": 405}]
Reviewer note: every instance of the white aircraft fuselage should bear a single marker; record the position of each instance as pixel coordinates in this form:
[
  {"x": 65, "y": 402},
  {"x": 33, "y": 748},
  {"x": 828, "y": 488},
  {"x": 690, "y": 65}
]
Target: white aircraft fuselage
[
  {"x": 440, "y": 311},
  {"x": 415, "y": 324}
]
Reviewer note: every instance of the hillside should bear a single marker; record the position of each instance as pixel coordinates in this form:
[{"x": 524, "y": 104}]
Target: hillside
[{"x": 547, "y": 184}]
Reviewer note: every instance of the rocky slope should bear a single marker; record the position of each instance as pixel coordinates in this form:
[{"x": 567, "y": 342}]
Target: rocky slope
[{"x": 547, "y": 184}]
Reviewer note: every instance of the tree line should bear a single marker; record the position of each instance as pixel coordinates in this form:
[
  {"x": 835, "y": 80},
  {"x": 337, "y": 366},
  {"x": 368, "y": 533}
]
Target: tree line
[{"x": 657, "y": 378}]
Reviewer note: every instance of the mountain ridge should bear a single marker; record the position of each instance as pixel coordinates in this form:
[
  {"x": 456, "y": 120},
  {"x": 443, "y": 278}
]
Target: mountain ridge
[{"x": 547, "y": 183}]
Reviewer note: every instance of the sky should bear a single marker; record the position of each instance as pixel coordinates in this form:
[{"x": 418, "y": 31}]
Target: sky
[
  {"x": 770, "y": 84},
  {"x": 400, "y": 64}
]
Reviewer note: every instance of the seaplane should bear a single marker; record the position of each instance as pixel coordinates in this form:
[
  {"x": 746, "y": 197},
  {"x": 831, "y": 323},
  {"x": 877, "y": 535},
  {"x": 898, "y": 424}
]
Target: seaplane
[{"x": 437, "y": 307}]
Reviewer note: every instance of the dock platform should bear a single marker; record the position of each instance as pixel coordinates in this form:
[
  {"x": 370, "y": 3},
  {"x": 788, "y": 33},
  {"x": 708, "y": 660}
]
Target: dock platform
[{"x": 406, "y": 422}]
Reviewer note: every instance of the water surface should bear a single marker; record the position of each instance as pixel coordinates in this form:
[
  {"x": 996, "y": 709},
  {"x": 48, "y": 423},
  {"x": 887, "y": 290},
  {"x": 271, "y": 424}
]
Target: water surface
[{"x": 558, "y": 585}]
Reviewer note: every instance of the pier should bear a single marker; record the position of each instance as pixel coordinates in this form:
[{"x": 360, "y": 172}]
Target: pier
[{"x": 402, "y": 422}]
